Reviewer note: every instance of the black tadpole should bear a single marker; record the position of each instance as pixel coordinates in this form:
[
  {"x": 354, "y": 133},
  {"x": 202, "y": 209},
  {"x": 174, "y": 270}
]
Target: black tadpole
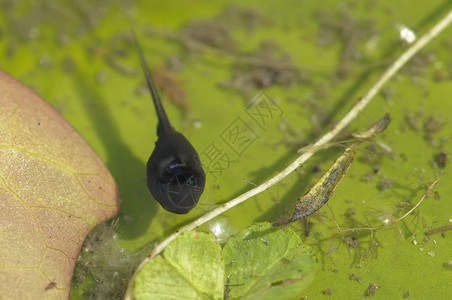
[{"x": 175, "y": 176}]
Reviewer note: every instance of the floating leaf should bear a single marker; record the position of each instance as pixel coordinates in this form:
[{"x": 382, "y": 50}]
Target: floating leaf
[
  {"x": 321, "y": 192},
  {"x": 264, "y": 262},
  {"x": 375, "y": 129},
  {"x": 53, "y": 190},
  {"x": 191, "y": 268}
]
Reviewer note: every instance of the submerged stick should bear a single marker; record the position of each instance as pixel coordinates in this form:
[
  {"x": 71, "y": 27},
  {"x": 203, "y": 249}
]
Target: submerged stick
[{"x": 439, "y": 229}]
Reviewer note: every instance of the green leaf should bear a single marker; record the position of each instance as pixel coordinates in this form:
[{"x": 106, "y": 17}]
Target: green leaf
[
  {"x": 191, "y": 268},
  {"x": 264, "y": 262}
]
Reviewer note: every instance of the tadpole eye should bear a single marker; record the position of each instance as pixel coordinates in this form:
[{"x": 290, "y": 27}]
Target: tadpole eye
[
  {"x": 191, "y": 181},
  {"x": 179, "y": 188},
  {"x": 181, "y": 175}
]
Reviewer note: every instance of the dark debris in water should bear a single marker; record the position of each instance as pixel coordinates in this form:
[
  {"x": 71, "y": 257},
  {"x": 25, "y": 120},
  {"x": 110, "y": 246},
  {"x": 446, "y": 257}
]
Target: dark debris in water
[
  {"x": 247, "y": 78},
  {"x": 211, "y": 33},
  {"x": 373, "y": 288}
]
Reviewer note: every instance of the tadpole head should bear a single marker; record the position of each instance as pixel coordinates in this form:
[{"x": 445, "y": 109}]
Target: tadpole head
[{"x": 175, "y": 176}]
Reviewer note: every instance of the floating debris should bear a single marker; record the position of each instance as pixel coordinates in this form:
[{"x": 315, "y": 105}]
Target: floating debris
[
  {"x": 327, "y": 291},
  {"x": 242, "y": 17},
  {"x": 355, "y": 36},
  {"x": 448, "y": 264},
  {"x": 246, "y": 78},
  {"x": 441, "y": 159},
  {"x": 352, "y": 242},
  {"x": 434, "y": 124},
  {"x": 172, "y": 88},
  {"x": 375, "y": 129},
  {"x": 321, "y": 192},
  {"x": 373, "y": 288},
  {"x": 385, "y": 184},
  {"x": 355, "y": 277},
  {"x": 210, "y": 33}
]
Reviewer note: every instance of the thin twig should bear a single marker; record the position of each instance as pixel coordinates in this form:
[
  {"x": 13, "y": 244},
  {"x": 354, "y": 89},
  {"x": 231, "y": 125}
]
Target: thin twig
[
  {"x": 439, "y": 229},
  {"x": 388, "y": 74},
  {"x": 419, "y": 203},
  {"x": 424, "y": 196}
]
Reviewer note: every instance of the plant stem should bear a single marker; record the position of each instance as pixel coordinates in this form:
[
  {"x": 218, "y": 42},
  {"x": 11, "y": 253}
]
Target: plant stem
[
  {"x": 440, "y": 229},
  {"x": 424, "y": 196}
]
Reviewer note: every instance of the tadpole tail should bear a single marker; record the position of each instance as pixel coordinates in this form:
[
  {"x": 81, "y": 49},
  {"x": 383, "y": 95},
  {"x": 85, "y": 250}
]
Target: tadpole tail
[{"x": 164, "y": 123}]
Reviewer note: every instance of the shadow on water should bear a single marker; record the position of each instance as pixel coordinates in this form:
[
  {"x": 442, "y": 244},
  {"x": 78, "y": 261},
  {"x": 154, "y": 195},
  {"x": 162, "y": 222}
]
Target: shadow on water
[
  {"x": 128, "y": 171},
  {"x": 434, "y": 15}
]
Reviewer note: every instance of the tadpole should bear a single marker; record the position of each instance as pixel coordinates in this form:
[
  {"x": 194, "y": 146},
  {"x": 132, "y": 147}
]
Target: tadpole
[{"x": 175, "y": 176}]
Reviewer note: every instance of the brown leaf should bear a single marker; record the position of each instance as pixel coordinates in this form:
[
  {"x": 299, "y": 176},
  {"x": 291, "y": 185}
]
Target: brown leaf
[
  {"x": 53, "y": 190},
  {"x": 375, "y": 129},
  {"x": 321, "y": 192}
]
